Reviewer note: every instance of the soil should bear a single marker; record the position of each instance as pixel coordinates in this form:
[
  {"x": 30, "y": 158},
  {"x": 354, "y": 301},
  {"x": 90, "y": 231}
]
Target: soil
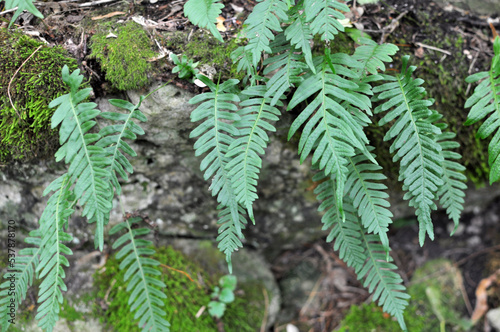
[{"x": 474, "y": 249}]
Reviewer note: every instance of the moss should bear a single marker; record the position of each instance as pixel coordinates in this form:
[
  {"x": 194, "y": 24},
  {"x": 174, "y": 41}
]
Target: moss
[
  {"x": 370, "y": 317},
  {"x": 184, "y": 297},
  {"x": 207, "y": 50},
  {"x": 124, "y": 58},
  {"x": 25, "y": 134}
]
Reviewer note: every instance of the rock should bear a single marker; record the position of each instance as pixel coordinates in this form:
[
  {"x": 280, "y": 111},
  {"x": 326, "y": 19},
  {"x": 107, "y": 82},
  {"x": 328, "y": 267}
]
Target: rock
[
  {"x": 493, "y": 317},
  {"x": 484, "y": 7}
]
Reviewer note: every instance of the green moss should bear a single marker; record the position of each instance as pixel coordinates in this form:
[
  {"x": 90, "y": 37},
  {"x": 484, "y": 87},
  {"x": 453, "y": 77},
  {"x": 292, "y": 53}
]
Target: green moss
[
  {"x": 25, "y": 131},
  {"x": 207, "y": 50},
  {"x": 124, "y": 58},
  {"x": 370, "y": 317},
  {"x": 184, "y": 297}
]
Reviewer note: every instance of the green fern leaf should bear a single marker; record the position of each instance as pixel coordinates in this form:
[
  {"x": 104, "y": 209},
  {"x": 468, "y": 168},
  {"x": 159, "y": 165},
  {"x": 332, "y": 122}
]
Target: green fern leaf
[
  {"x": 324, "y": 16},
  {"x": 52, "y": 222},
  {"x": 289, "y": 66},
  {"x": 265, "y": 18},
  {"x": 204, "y": 13},
  {"x": 88, "y": 168},
  {"x": 373, "y": 56},
  {"x": 368, "y": 196},
  {"x": 243, "y": 59},
  {"x": 21, "y": 5},
  {"x": 415, "y": 142},
  {"x": 113, "y": 136},
  {"x": 299, "y": 35},
  {"x": 244, "y": 151},
  {"x": 329, "y": 127},
  {"x": 146, "y": 297},
  {"x": 23, "y": 271},
  {"x": 216, "y": 135},
  {"x": 485, "y": 103},
  {"x": 451, "y": 192},
  {"x": 230, "y": 237},
  {"x": 361, "y": 251}
]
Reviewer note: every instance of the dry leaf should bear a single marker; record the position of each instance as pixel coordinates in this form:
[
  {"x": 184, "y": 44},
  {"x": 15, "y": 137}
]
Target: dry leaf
[
  {"x": 482, "y": 296},
  {"x": 220, "y": 24},
  {"x": 111, "y": 35},
  {"x": 419, "y": 52},
  {"x": 107, "y": 15}
]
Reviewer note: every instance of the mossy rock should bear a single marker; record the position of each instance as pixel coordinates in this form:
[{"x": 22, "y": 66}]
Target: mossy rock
[
  {"x": 25, "y": 132},
  {"x": 124, "y": 57},
  {"x": 184, "y": 299}
]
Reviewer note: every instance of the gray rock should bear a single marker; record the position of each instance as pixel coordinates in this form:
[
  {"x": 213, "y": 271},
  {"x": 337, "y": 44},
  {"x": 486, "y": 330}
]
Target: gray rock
[{"x": 493, "y": 317}]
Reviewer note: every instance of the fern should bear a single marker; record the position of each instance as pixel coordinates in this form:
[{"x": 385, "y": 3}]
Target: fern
[
  {"x": 24, "y": 269},
  {"x": 324, "y": 16},
  {"x": 415, "y": 142},
  {"x": 360, "y": 250},
  {"x": 299, "y": 35},
  {"x": 88, "y": 167},
  {"x": 21, "y": 5},
  {"x": 245, "y": 164},
  {"x": 216, "y": 135},
  {"x": 145, "y": 299},
  {"x": 288, "y": 65},
  {"x": 330, "y": 127},
  {"x": 261, "y": 23},
  {"x": 485, "y": 102},
  {"x": 204, "y": 13},
  {"x": 52, "y": 223}
]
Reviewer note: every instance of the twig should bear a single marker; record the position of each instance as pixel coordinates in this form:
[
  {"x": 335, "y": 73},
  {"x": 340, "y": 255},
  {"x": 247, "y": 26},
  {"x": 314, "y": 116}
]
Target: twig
[
  {"x": 477, "y": 253},
  {"x": 433, "y": 48},
  {"x": 186, "y": 274},
  {"x": 470, "y": 71},
  {"x": 108, "y": 291},
  {"x": 311, "y": 296},
  {"x": 266, "y": 308},
  {"x": 12, "y": 78}
]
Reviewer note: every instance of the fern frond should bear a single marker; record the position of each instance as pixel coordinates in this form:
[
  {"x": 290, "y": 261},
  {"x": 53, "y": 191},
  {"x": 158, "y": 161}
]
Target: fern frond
[
  {"x": 369, "y": 197},
  {"x": 88, "y": 166},
  {"x": 52, "y": 252},
  {"x": 372, "y": 56},
  {"x": 146, "y": 297},
  {"x": 216, "y": 135},
  {"x": 329, "y": 127},
  {"x": 451, "y": 194},
  {"x": 27, "y": 261},
  {"x": 415, "y": 142},
  {"x": 289, "y": 66},
  {"x": 265, "y": 18},
  {"x": 361, "y": 251},
  {"x": 324, "y": 16},
  {"x": 485, "y": 103},
  {"x": 113, "y": 136},
  {"x": 299, "y": 35},
  {"x": 21, "y": 5},
  {"x": 244, "y": 151},
  {"x": 230, "y": 237},
  {"x": 204, "y": 13},
  {"x": 243, "y": 59}
]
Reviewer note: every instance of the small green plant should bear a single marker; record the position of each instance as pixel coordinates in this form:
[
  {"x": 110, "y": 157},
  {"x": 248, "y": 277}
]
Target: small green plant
[
  {"x": 185, "y": 68},
  {"x": 222, "y": 296}
]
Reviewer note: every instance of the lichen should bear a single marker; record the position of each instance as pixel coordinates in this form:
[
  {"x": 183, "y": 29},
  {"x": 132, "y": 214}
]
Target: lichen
[
  {"x": 125, "y": 57},
  {"x": 25, "y": 131}
]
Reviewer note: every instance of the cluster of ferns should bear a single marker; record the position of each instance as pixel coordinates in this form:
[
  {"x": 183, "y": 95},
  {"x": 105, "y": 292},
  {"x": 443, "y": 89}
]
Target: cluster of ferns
[{"x": 339, "y": 91}]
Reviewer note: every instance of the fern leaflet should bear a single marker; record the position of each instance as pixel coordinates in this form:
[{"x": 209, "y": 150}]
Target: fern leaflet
[
  {"x": 114, "y": 145},
  {"x": 229, "y": 237},
  {"x": 361, "y": 251},
  {"x": 52, "y": 222},
  {"x": 88, "y": 166},
  {"x": 145, "y": 294},
  {"x": 299, "y": 35},
  {"x": 486, "y": 101},
  {"x": 23, "y": 271},
  {"x": 204, "y": 13},
  {"x": 324, "y": 16},
  {"x": 415, "y": 142},
  {"x": 288, "y": 65},
  {"x": 245, "y": 164}
]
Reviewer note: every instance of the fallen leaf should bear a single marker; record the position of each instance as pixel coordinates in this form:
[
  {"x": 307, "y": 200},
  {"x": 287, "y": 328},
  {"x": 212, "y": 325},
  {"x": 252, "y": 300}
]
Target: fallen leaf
[
  {"x": 107, "y": 15},
  {"x": 220, "y": 24},
  {"x": 111, "y": 35},
  {"x": 482, "y": 296},
  {"x": 419, "y": 52}
]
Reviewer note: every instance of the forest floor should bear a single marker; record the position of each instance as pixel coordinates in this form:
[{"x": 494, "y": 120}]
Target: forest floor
[{"x": 474, "y": 249}]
